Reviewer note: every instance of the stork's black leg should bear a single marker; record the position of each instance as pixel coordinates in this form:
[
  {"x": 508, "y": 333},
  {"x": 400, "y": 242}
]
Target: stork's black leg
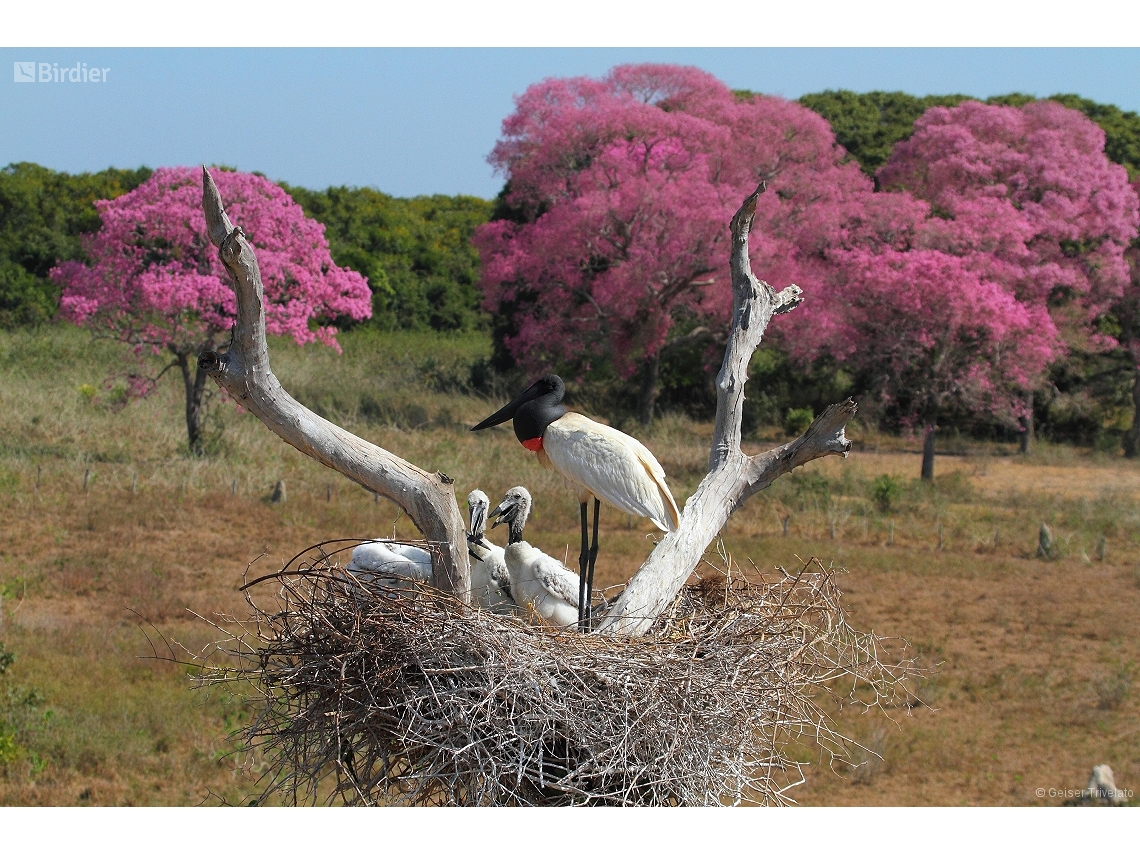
[
  {"x": 583, "y": 564},
  {"x": 593, "y": 560}
]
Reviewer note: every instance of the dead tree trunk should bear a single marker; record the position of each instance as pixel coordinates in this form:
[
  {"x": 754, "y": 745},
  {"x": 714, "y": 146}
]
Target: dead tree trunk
[
  {"x": 1132, "y": 438},
  {"x": 243, "y": 371},
  {"x": 647, "y": 392},
  {"x": 733, "y": 476}
]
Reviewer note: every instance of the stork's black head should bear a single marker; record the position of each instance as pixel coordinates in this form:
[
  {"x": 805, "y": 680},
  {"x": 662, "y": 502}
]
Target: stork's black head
[
  {"x": 533, "y": 410},
  {"x": 548, "y": 384}
]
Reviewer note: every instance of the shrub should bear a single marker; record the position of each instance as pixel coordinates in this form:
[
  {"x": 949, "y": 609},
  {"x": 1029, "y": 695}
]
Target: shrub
[
  {"x": 797, "y": 421},
  {"x": 885, "y": 491}
]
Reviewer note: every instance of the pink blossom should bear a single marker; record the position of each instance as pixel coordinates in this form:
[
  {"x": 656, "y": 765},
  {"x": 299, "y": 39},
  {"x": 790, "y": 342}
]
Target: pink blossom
[
  {"x": 926, "y": 331},
  {"x": 622, "y": 190},
  {"x": 1020, "y": 248},
  {"x": 1029, "y": 187},
  {"x": 154, "y": 279}
]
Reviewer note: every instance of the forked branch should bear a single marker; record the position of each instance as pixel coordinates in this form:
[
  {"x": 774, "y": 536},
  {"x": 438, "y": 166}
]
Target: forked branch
[
  {"x": 243, "y": 370},
  {"x": 733, "y": 475}
]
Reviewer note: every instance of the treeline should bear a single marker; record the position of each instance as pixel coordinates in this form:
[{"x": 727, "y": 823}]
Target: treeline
[
  {"x": 416, "y": 253},
  {"x": 424, "y": 273},
  {"x": 869, "y": 124}
]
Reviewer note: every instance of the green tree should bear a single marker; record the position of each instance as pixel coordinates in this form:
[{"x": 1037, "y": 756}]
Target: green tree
[
  {"x": 416, "y": 253},
  {"x": 869, "y": 124},
  {"x": 42, "y": 215}
]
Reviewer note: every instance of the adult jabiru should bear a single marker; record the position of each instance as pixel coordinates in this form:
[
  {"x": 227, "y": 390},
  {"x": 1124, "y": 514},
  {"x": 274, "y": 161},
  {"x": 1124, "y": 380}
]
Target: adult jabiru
[{"x": 595, "y": 460}]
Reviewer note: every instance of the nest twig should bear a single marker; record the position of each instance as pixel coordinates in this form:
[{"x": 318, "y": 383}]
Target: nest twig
[{"x": 375, "y": 696}]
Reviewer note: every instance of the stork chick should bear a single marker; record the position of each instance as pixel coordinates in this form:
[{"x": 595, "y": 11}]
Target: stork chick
[
  {"x": 392, "y": 560},
  {"x": 538, "y": 581},
  {"x": 490, "y": 580}
]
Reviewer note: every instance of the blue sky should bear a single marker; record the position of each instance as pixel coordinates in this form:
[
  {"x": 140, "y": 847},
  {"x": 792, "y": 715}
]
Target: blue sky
[{"x": 411, "y": 121}]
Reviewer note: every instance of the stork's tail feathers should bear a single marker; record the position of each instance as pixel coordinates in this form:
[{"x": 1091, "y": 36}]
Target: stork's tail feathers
[
  {"x": 670, "y": 519},
  {"x": 671, "y": 509}
]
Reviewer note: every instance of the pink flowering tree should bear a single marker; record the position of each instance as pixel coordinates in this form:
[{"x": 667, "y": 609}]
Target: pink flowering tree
[
  {"x": 1027, "y": 197},
  {"x": 155, "y": 282},
  {"x": 925, "y": 332},
  {"x": 620, "y": 190}
]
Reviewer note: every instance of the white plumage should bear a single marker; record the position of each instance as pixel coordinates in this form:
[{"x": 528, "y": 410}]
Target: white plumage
[
  {"x": 538, "y": 581},
  {"x": 543, "y": 584},
  {"x": 490, "y": 580},
  {"x": 399, "y": 559},
  {"x": 598, "y": 461}
]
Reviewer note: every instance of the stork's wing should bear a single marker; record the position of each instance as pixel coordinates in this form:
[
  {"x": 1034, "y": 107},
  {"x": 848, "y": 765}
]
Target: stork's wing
[
  {"x": 412, "y": 553},
  {"x": 373, "y": 556},
  {"x": 378, "y": 558},
  {"x": 613, "y": 466},
  {"x": 399, "y": 558},
  {"x": 556, "y": 579}
]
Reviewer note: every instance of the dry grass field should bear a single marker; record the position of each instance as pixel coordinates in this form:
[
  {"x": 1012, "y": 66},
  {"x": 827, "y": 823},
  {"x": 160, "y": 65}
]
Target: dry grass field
[{"x": 110, "y": 531}]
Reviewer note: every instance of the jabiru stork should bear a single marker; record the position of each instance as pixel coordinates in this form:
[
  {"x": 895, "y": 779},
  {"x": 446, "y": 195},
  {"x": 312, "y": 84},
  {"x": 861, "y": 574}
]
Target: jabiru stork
[
  {"x": 392, "y": 560},
  {"x": 595, "y": 460},
  {"x": 490, "y": 581},
  {"x": 538, "y": 581}
]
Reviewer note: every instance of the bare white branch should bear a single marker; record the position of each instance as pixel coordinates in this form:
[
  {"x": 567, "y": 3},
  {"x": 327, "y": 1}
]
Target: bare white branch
[
  {"x": 733, "y": 476},
  {"x": 243, "y": 370}
]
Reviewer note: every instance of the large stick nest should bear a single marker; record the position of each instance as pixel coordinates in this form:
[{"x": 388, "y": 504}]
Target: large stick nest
[{"x": 378, "y": 697}]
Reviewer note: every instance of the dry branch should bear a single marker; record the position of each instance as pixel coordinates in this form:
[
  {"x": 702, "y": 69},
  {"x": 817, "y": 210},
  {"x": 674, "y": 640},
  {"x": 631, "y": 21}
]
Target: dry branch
[
  {"x": 243, "y": 371},
  {"x": 733, "y": 476}
]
